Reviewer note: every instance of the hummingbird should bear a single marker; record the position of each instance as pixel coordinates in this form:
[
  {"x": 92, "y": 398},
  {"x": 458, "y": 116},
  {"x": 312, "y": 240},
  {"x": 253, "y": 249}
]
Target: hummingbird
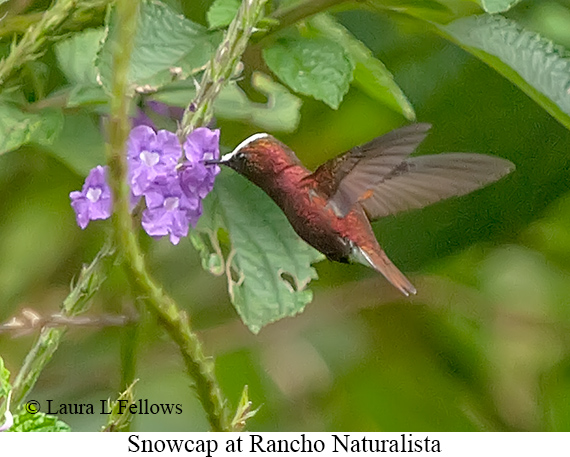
[{"x": 331, "y": 208}]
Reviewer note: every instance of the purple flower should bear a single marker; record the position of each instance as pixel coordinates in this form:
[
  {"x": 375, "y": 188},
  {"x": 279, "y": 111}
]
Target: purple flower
[
  {"x": 169, "y": 210},
  {"x": 196, "y": 177},
  {"x": 94, "y": 200},
  {"x": 173, "y": 193},
  {"x": 174, "y": 201},
  {"x": 151, "y": 156}
]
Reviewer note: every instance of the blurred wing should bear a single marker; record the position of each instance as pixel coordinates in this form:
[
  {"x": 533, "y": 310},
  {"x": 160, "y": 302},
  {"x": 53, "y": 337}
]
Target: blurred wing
[
  {"x": 343, "y": 178},
  {"x": 421, "y": 181}
]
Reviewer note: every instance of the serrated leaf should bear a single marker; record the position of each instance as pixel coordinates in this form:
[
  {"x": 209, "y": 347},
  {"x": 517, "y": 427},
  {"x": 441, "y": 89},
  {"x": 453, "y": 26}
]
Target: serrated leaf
[
  {"x": 498, "y": 6},
  {"x": 38, "y": 422},
  {"x": 164, "y": 41},
  {"x": 370, "y": 74},
  {"x": 76, "y": 56},
  {"x": 536, "y": 65},
  {"x": 5, "y": 386},
  {"x": 18, "y": 128},
  {"x": 318, "y": 67},
  {"x": 222, "y": 12},
  {"x": 281, "y": 113},
  {"x": 270, "y": 265}
]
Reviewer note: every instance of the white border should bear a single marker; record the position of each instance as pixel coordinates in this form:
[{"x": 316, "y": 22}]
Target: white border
[{"x": 244, "y": 143}]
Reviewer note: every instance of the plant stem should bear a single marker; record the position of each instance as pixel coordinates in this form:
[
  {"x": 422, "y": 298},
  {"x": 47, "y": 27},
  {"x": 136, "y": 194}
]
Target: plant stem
[
  {"x": 47, "y": 343},
  {"x": 175, "y": 321},
  {"x": 16, "y": 25},
  {"x": 129, "y": 345},
  {"x": 222, "y": 66},
  {"x": 35, "y": 37},
  {"x": 89, "y": 13},
  {"x": 120, "y": 418}
]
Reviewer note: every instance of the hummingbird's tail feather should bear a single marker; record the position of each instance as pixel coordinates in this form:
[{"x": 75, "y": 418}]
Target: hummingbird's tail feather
[{"x": 378, "y": 260}]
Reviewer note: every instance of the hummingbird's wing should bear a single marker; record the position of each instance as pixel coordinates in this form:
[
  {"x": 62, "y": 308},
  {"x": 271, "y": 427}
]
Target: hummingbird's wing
[
  {"x": 421, "y": 181},
  {"x": 340, "y": 178},
  {"x": 346, "y": 178},
  {"x": 384, "y": 180}
]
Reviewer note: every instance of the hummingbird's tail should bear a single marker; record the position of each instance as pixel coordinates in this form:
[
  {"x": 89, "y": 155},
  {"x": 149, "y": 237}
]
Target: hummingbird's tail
[{"x": 377, "y": 259}]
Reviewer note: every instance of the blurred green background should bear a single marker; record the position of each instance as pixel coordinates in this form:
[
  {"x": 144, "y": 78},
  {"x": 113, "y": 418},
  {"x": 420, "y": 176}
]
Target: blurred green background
[{"x": 483, "y": 346}]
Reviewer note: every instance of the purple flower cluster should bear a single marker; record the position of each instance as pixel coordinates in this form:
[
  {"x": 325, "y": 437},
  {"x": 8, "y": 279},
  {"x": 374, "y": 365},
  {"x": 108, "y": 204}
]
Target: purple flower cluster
[{"x": 172, "y": 188}]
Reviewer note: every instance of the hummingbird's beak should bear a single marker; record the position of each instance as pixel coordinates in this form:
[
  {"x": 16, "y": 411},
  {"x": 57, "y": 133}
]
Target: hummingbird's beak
[
  {"x": 212, "y": 162},
  {"x": 221, "y": 161}
]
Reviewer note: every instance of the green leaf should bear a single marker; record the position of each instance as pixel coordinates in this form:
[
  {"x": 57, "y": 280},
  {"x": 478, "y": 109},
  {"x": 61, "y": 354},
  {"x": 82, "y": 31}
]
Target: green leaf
[
  {"x": 5, "y": 386},
  {"x": 279, "y": 114},
  {"x": 92, "y": 96},
  {"x": 80, "y": 144},
  {"x": 440, "y": 11},
  {"x": 222, "y": 12},
  {"x": 76, "y": 56},
  {"x": 370, "y": 74},
  {"x": 537, "y": 66},
  {"x": 38, "y": 422},
  {"x": 498, "y": 6},
  {"x": 269, "y": 266},
  {"x": 18, "y": 127},
  {"x": 165, "y": 42},
  {"x": 318, "y": 67}
]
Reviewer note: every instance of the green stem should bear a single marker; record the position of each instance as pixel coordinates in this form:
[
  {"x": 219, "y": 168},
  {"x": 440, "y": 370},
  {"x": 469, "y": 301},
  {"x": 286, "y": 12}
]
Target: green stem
[
  {"x": 222, "y": 67},
  {"x": 120, "y": 418},
  {"x": 35, "y": 37},
  {"x": 75, "y": 303},
  {"x": 88, "y": 13},
  {"x": 16, "y": 25},
  {"x": 161, "y": 305},
  {"x": 129, "y": 344}
]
